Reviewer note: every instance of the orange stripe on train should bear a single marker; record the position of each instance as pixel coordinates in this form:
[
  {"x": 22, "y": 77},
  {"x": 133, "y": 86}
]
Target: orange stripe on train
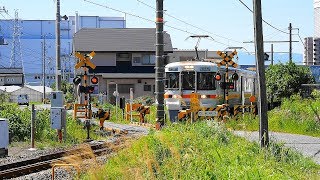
[{"x": 188, "y": 96}]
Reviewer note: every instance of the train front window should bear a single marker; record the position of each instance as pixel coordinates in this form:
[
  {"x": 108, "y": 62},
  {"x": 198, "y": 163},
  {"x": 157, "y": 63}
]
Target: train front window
[
  {"x": 188, "y": 80},
  {"x": 206, "y": 81},
  {"x": 172, "y": 80}
]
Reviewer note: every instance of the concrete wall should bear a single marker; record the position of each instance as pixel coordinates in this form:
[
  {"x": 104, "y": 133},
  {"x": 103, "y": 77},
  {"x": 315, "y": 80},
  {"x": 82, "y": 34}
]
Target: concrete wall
[
  {"x": 11, "y": 79},
  {"x": 108, "y": 86},
  {"x": 34, "y": 96}
]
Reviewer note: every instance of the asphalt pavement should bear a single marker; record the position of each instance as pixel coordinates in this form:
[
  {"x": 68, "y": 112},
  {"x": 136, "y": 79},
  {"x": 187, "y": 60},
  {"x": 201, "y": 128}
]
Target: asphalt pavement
[{"x": 307, "y": 145}]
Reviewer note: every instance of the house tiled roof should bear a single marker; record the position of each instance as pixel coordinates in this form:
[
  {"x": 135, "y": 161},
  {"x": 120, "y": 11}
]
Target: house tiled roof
[{"x": 119, "y": 40}]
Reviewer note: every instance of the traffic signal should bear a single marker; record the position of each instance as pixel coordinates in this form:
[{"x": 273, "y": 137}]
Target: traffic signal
[
  {"x": 94, "y": 80},
  {"x": 77, "y": 80}
]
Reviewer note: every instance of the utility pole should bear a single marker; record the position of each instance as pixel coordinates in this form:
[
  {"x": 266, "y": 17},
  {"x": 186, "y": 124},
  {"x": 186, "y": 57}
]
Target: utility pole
[
  {"x": 159, "y": 69},
  {"x": 262, "y": 100},
  {"x": 44, "y": 69},
  {"x": 58, "y": 61},
  {"x": 271, "y": 54},
  {"x": 290, "y": 42}
]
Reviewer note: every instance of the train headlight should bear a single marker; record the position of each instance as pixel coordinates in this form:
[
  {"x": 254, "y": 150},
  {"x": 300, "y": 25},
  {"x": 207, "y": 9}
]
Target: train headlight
[
  {"x": 203, "y": 96},
  {"x": 175, "y": 97}
]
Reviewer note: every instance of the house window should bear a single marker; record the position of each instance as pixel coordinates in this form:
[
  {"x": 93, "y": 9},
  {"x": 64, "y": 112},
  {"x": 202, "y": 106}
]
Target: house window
[
  {"x": 136, "y": 59},
  {"x": 148, "y": 59},
  {"x": 123, "y": 57},
  {"x": 147, "y": 87},
  {"x": 125, "y": 88}
]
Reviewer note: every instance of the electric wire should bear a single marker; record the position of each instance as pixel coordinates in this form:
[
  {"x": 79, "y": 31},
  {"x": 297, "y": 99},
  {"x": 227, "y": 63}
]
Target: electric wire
[
  {"x": 178, "y": 19},
  {"x": 301, "y": 39},
  {"x": 146, "y": 19},
  {"x": 244, "y": 4}
]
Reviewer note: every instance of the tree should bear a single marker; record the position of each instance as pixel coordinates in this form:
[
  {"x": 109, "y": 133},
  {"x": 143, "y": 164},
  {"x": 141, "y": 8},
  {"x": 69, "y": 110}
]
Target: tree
[
  {"x": 284, "y": 80},
  {"x": 67, "y": 89}
]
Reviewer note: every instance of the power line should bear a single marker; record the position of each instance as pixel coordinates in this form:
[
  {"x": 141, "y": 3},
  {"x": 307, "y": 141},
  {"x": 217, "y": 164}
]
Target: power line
[
  {"x": 300, "y": 38},
  {"x": 146, "y": 19},
  {"x": 244, "y": 4},
  {"x": 178, "y": 19}
]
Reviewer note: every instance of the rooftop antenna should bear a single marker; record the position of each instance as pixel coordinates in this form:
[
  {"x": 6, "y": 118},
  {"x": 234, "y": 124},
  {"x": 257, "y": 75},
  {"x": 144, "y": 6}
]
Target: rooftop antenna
[{"x": 198, "y": 42}]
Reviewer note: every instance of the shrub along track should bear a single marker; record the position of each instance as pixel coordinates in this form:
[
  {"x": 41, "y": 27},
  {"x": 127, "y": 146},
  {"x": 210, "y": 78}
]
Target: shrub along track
[{"x": 33, "y": 165}]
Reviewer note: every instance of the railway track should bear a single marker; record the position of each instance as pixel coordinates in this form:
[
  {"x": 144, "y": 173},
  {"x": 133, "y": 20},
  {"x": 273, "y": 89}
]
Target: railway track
[{"x": 25, "y": 167}]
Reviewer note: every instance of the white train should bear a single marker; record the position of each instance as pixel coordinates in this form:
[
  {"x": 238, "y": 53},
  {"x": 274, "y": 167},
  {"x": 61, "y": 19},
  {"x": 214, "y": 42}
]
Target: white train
[{"x": 184, "y": 78}]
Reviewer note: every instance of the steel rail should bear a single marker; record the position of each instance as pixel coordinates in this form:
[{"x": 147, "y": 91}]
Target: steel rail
[{"x": 45, "y": 162}]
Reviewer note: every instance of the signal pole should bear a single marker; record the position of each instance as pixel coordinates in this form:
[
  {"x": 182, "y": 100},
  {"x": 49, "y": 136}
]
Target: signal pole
[
  {"x": 290, "y": 42},
  {"x": 58, "y": 61},
  {"x": 159, "y": 69},
  {"x": 262, "y": 101}
]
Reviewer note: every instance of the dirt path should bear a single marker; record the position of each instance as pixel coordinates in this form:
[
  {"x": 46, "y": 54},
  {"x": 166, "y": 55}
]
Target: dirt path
[{"x": 307, "y": 145}]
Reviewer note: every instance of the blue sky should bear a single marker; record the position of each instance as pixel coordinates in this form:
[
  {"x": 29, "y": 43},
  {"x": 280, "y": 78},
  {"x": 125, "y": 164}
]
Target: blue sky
[{"x": 226, "y": 18}]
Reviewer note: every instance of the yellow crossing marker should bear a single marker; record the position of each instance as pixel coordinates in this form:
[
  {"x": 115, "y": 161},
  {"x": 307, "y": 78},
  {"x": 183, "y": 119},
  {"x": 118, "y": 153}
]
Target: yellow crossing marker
[
  {"x": 227, "y": 59},
  {"x": 85, "y": 60}
]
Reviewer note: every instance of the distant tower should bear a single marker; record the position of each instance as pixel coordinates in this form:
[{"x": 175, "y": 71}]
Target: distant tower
[{"x": 16, "y": 55}]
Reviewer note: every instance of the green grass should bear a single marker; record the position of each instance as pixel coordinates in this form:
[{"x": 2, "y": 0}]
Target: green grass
[
  {"x": 20, "y": 127},
  {"x": 201, "y": 151},
  {"x": 295, "y": 115}
]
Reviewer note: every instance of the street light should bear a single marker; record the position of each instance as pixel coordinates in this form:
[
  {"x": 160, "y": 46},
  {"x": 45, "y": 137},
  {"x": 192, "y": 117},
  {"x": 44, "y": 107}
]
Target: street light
[{"x": 116, "y": 94}]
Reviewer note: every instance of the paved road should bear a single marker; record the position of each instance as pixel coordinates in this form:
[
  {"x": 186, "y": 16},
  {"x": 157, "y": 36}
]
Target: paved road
[{"x": 308, "y": 146}]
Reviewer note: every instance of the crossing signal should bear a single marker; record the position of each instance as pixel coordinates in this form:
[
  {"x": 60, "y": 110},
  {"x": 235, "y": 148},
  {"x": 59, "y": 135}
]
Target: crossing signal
[
  {"x": 227, "y": 59},
  {"x": 227, "y": 85},
  {"x": 235, "y": 76},
  {"x": 94, "y": 80},
  {"x": 85, "y": 61},
  {"x": 77, "y": 80},
  {"x": 87, "y": 89},
  {"x": 90, "y": 89},
  {"x": 218, "y": 76}
]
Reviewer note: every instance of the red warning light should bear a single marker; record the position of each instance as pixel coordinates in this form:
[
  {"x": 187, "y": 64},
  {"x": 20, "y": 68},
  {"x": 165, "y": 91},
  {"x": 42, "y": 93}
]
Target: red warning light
[{"x": 94, "y": 80}]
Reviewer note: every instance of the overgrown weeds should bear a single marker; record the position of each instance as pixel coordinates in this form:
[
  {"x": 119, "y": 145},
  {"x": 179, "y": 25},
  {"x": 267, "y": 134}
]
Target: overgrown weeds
[
  {"x": 204, "y": 151},
  {"x": 295, "y": 115}
]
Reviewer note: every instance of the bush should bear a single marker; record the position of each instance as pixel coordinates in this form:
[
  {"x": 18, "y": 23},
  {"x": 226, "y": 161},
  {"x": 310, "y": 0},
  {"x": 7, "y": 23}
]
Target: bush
[{"x": 284, "y": 80}]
